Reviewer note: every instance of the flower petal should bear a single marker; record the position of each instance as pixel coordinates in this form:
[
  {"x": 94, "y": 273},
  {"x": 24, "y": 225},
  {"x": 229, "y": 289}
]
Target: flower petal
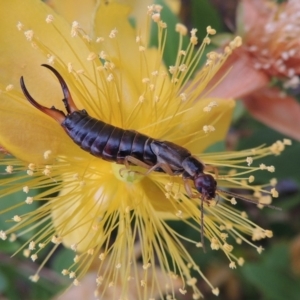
[
  {"x": 156, "y": 197},
  {"x": 28, "y": 133},
  {"x": 18, "y": 57},
  {"x": 237, "y": 77},
  {"x": 23, "y": 60},
  {"x": 191, "y": 134},
  {"x": 280, "y": 113},
  {"x": 80, "y": 11},
  {"x": 250, "y": 11}
]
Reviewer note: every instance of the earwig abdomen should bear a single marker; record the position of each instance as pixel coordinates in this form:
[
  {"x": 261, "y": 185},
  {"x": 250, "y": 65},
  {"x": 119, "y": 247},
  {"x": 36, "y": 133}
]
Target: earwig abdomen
[{"x": 107, "y": 141}]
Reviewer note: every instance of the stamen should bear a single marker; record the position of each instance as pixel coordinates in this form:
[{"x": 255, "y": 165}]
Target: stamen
[
  {"x": 113, "y": 33},
  {"x": 210, "y": 30},
  {"x": 75, "y": 29},
  {"x": 216, "y": 291},
  {"x": 208, "y": 128},
  {"x": 3, "y": 235},
  {"x": 156, "y": 17},
  {"x": 29, "y": 35},
  {"x": 65, "y": 272},
  {"x": 34, "y": 257},
  {"x": 249, "y": 161},
  {"x": 181, "y": 29},
  {"x": 9, "y": 169},
  {"x": 20, "y": 26},
  {"x": 29, "y": 200},
  {"x": 49, "y": 19},
  {"x": 92, "y": 56},
  {"x": 182, "y": 291},
  {"x": 99, "y": 39},
  {"x": 51, "y": 59},
  {"x": 17, "y": 218},
  {"x": 9, "y": 88},
  {"x": 274, "y": 193},
  {"x": 31, "y": 245},
  {"x": 34, "y": 278},
  {"x": 47, "y": 154},
  {"x": 26, "y": 189}
]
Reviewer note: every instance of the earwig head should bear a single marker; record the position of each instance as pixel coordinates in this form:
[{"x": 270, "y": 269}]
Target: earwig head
[
  {"x": 206, "y": 185},
  {"x": 56, "y": 114}
]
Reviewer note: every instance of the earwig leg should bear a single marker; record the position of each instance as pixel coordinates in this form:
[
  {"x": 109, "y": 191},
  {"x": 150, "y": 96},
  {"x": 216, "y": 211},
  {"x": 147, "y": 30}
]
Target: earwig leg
[
  {"x": 218, "y": 197},
  {"x": 56, "y": 114},
  {"x": 134, "y": 161},
  {"x": 129, "y": 171},
  {"x": 166, "y": 168},
  {"x": 68, "y": 101},
  {"x": 188, "y": 188}
]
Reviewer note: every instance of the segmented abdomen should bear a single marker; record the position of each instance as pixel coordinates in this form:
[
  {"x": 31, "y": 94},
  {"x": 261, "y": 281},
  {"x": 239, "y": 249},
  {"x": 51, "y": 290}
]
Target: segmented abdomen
[{"x": 109, "y": 142}]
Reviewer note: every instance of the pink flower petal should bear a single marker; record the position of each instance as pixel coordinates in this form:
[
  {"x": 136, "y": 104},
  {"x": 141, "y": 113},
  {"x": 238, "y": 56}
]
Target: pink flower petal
[
  {"x": 237, "y": 77},
  {"x": 280, "y": 113}
]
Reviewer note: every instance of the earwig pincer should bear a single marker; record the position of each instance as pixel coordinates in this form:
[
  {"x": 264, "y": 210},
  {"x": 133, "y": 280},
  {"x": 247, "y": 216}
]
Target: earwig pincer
[{"x": 129, "y": 147}]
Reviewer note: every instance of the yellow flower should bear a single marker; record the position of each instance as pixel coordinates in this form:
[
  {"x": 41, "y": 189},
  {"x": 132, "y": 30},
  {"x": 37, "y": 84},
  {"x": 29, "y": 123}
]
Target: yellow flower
[{"x": 92, "y": 206}]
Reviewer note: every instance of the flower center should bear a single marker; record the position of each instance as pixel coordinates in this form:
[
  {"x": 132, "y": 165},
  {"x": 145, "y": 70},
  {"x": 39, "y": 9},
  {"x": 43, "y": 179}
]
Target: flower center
[{"x": 132, "y": 175}]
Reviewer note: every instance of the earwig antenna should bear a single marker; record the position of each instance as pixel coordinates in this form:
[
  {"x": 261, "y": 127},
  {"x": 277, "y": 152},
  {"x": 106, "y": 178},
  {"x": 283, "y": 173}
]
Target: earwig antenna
[
  {"x": 202, "y": 224},
  {"x": 248, "y": 200}
]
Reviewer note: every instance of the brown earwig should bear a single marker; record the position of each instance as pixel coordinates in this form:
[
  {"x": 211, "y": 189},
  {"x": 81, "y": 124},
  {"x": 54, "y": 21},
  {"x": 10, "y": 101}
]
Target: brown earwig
[{"x": 126, "y": 147}]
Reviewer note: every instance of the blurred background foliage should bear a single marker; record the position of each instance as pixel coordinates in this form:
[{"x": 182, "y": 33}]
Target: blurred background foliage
[{"x": 273, "y": 275}]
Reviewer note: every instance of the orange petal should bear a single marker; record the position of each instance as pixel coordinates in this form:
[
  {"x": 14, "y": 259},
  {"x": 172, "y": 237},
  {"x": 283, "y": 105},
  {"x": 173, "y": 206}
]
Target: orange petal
[
  {"x": 280, "y": 113},
  {"x": 237, "y": 77}
]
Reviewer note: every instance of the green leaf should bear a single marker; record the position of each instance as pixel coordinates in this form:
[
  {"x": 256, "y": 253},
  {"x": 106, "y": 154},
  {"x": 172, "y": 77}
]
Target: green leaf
[
  {"x": 203, "y": 14},
  {"x": 3, "y": 281},
  {"x": 285, "y": 164},
  {"x": 63, "y": 259},
  {"x": 16, "y": 199},
  {"x": 222, "y": 38},
  {"x": 172, "y": 40},
  {"x": 273, "y": 277}
]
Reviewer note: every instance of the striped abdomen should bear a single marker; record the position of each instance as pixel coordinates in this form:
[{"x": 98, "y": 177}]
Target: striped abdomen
[{"x": 107, "y": 141}]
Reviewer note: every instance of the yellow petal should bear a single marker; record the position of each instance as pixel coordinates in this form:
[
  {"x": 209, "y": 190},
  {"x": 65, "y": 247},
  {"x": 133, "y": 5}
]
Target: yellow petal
[
  {"x": 78, "y": 10},
  {"x": 122, "y": 50},
  {"x": 26, "y": 132},
  {"x": 190, "y": 132},
  {"x": 18, "y": 57}
]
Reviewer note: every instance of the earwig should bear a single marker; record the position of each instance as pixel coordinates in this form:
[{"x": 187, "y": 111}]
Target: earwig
[{"x": 127, "y": 147}]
